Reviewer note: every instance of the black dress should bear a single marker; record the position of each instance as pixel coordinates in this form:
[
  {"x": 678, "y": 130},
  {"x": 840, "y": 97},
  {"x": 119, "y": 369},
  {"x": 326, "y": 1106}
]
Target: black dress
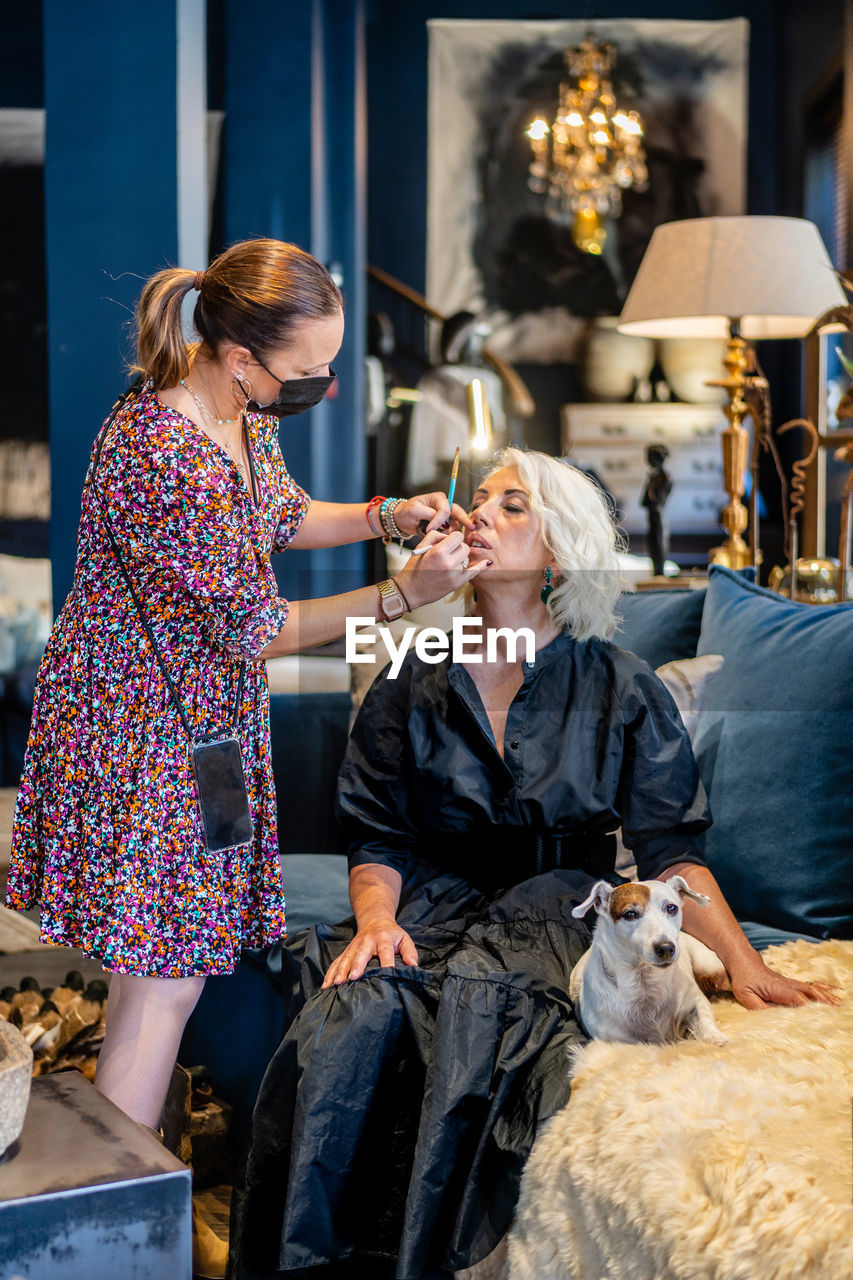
[{"x": 396, "y": 1116}]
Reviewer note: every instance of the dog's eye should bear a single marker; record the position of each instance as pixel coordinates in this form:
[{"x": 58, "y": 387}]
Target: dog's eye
[
  {"x": 671, "y": 909},
  {"x": 630, "y": 914}
]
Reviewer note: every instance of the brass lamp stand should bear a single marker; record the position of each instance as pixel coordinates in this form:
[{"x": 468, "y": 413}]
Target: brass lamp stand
[
  {"x": 734, "y": 553},
  {"x": 753, "y": 278}
]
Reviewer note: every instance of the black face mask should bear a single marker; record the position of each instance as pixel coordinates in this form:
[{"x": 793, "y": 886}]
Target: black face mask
[{"x": 296, "y": 394}]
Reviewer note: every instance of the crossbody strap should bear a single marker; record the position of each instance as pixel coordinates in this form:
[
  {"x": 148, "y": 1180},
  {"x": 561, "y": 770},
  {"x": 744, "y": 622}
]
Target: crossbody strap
[{"x": 132, "y": 390}]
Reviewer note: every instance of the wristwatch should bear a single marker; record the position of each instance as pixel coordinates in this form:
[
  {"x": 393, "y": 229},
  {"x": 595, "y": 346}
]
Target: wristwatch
[{"x": 391, "y": 602}]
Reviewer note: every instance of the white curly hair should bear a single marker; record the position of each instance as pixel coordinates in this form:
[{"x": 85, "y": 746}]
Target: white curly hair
[{"x": 581, "y": 537}]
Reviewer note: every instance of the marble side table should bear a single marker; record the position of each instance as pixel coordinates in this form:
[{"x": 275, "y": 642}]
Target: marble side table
[{"x": 85, "y": 1192}]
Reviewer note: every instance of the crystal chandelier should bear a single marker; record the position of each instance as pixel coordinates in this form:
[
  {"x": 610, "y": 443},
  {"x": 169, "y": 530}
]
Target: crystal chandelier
[{"x": 591, "y": 153}]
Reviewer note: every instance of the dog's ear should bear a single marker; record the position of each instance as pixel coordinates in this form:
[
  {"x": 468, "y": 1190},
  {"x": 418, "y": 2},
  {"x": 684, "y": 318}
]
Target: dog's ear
[
  {"x": 599, "y": 897},
  {"x": 682, "y": 888}
]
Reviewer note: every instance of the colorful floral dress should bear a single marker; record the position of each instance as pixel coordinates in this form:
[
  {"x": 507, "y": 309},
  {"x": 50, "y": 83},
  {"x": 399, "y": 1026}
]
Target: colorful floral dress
[{"x": 107, "y": 835}]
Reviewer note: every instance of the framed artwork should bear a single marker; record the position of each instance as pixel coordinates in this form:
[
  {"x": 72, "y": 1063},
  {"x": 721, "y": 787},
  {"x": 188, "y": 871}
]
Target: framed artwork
[{"x": 490, "y": 247}]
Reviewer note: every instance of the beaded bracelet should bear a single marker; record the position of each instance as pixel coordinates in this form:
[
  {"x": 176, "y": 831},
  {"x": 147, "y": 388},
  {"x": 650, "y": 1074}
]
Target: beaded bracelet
[
  {"x": 374, "y": 502},
  {"x": 389, "y": 524}
]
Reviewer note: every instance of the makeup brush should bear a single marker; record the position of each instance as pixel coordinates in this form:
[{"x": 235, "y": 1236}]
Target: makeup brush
[{"x": 454, "y": 472}]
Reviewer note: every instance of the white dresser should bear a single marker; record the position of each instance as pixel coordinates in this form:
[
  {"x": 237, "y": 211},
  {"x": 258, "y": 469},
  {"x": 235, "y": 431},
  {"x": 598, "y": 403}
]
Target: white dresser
[{"x": 611, "y": 439}]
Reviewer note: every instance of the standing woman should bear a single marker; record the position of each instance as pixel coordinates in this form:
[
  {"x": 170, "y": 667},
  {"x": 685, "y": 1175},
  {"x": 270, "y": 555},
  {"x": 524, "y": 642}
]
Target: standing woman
[{"x": 186, "y": 496}]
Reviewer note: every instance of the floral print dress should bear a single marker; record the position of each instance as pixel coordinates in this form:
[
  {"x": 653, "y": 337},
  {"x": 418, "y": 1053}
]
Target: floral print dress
[{"x": 107, "y": 834}]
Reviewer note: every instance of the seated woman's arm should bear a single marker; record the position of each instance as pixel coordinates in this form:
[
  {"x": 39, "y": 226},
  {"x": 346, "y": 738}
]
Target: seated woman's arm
[
  {"x": 753, "y": 983},
  {"x": 374, "y": 891},
  {"x": 378, "y": 812},
  {"x": 664, "y": 814}
]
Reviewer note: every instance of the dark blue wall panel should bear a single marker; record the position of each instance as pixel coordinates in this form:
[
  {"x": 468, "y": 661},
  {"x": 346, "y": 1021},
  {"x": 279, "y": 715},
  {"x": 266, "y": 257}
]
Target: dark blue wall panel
[
  {"x": 111, "y": 218},
  {"x": 338, "y": 237},
  {"x": 267, "y": 132},
  {"x": 295, "y": 169}
]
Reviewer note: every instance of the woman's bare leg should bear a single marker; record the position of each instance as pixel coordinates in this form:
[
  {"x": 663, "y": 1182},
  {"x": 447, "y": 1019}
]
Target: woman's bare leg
[{"x": 145, "y": 1021}]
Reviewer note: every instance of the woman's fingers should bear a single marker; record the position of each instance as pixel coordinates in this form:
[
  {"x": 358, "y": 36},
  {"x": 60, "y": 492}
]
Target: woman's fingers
[
  {"x": 427, "y": 510},
  {"x": 822, "y": 993},
  {"x": 440, "y": 513},
  {"x": 434, "y": 538},
  {"x": 362, "y": 955},
  {"x": 461, "y": 516},
  {"x": 354, "y": 959},
  {"x": 408, "y": 950}
]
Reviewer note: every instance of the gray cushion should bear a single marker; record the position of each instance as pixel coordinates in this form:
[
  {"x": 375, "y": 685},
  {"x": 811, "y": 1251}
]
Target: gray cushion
[{"x": 315, "y": 889}]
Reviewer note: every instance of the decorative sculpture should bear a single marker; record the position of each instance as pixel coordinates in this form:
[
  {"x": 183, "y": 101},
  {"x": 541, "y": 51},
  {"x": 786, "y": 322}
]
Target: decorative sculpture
[{"x": 657, "y": 490}]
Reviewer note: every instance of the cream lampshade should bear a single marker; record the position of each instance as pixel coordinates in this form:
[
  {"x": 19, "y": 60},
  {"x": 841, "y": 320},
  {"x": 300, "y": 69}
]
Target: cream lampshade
[{"x": 743, "y": 279}]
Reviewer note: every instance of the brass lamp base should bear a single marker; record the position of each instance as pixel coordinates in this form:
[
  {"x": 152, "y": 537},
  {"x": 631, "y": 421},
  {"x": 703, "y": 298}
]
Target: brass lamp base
[{"x": 734, "y": 552}]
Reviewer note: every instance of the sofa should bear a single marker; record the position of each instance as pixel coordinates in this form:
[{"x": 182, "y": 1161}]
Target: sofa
[{"x": 773, "y": 737}]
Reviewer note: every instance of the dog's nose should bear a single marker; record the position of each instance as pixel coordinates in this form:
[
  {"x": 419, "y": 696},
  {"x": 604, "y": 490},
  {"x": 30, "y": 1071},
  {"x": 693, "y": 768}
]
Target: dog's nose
[{"x": 664, "y": 950}]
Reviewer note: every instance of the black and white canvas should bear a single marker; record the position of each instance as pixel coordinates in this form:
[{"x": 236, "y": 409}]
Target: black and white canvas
[{"x": 490, "y": 247}]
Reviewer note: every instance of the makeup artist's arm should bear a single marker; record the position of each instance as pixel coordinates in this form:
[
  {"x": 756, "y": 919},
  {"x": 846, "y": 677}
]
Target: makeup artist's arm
[
  {"x": 334, "y": 524},
  {"x": 421, "y": 580},
  {"x": 374, "y": 892}
]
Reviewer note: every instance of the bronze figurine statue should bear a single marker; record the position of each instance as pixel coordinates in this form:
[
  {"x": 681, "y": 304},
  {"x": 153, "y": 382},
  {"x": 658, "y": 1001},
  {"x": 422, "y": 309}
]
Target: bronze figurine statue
[{"x": 657, "y": 490}]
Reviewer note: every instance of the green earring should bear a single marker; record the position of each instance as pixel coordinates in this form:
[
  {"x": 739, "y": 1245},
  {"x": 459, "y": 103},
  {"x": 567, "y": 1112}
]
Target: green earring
[{"x": 547, "y": 589}]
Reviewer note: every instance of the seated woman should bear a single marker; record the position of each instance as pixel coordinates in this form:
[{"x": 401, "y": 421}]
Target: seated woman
[{"x": 430, "y": 1037}]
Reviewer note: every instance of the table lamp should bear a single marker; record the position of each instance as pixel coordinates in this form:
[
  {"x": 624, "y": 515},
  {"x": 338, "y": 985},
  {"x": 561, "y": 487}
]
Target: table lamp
[{"x": 742, "y": 279}]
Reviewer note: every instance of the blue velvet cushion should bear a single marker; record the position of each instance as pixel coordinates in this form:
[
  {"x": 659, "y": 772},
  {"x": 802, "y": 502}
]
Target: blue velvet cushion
[
  {"x": 660, "y": 626},
  {"x": 775, "y": 750}
]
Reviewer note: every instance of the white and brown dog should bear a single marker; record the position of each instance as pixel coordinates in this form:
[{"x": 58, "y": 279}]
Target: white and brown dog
[{"x": 638, "y": 980}]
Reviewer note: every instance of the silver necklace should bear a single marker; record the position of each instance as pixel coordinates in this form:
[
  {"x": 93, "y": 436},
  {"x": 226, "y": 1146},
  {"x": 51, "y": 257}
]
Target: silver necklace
[{"x": 219, "y": 422}]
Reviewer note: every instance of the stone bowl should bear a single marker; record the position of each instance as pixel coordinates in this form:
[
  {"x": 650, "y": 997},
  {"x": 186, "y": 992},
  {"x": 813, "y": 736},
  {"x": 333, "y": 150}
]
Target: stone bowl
[{"x": 16, "y": 1073}]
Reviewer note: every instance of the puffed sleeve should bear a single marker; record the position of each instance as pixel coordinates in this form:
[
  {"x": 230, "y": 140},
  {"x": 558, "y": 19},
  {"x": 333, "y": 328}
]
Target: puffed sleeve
[
  {"x": 295, "y": 503},
  {"x": 176, "y": 512},
  {"x": 375, "y": 804},
  {"x": 661, "y": 798}
]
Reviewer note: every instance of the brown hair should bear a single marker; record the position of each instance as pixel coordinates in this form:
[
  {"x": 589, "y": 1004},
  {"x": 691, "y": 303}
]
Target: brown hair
[{"x": 255, "y": 294}]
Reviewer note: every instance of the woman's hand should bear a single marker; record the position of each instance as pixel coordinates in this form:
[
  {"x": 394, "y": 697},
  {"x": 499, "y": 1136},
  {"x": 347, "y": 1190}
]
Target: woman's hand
[
  {"x": 432, "y": 509},
  {"x": 756, "y": 986},
  {"x": 381, "y": 938},
  {"x": 440, "y": 567}
]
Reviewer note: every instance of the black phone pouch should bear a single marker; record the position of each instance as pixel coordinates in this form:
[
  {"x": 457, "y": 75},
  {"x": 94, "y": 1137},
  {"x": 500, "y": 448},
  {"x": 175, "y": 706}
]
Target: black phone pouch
[{"x": 220, "y": 782}]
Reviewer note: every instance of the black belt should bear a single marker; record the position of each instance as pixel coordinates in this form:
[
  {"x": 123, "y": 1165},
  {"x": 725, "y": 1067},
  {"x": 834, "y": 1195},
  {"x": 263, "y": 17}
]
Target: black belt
[{"x": 500, "y": 855}]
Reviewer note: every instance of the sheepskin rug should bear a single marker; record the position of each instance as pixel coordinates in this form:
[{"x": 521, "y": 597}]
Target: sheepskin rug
[{"x": 692, "y": 1162}]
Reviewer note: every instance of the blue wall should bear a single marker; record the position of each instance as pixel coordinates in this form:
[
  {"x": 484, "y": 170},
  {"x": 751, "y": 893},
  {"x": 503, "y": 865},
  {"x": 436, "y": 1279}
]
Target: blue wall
[
  {"x": 295, "y": 169},
  {"x": 111, "y": 219}
]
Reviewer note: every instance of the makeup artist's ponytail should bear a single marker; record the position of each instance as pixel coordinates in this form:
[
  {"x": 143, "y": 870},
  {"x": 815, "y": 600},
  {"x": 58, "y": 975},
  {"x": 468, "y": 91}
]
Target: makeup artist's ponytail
[{"x": 161, "y": 352}]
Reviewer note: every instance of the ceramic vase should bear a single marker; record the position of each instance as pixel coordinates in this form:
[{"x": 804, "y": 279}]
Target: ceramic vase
[
  {"x": 614, "y": 362},
  {"x": 688, "y": 363}
]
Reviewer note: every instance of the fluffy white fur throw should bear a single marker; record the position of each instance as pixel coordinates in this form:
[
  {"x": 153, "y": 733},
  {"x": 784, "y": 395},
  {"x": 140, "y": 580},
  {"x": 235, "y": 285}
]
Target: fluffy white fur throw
[{"x": 692, "y": 1162}]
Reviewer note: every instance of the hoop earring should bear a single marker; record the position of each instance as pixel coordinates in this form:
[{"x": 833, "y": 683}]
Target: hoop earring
[
  {"x": 242, "y": 385},
  {"x": 547, "y": 589}
]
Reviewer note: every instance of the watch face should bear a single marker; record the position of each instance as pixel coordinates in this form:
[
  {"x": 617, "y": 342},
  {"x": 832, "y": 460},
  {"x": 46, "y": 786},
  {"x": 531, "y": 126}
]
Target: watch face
[{"x": 391, "y": 602}]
